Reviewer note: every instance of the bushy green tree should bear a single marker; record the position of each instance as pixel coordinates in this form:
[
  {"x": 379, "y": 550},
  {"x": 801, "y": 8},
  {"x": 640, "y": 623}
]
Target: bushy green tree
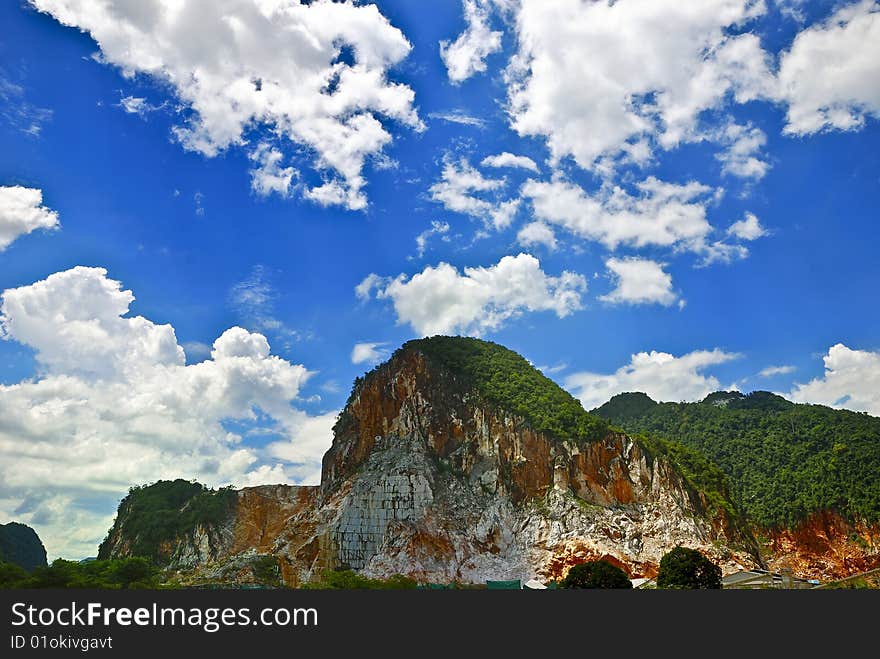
[
  {"x": 688, "y": 569},
  {"x": 11, "y": 575},
  {"x": 596, "y": 574},
  {"x": 114, "y": 574}
]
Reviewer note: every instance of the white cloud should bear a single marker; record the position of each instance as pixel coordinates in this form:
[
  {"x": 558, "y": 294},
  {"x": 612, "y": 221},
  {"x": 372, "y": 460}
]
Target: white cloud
[
  {"x": 437, "y": 229},
  {"x": 639, "y": 281},
  {"x": 458, "y": 188},
  {"x": 536, "y": 233},
  {"x": 744, "y": 144},
  {"x": 663, "y": 214},
  {"x": 748, "y": 228},
  {"x": 371, "y": 282},
  {"x": 17, "y": 112},
  {"x": 507, "y": 159},
  {"x": 269, "y": 176},
  {"x": 830, "y": 77},
  {"x": 458, "y": 117},
  {"x": 116, "y": 406},
  {"x": 243, "y": 63},
  {"x": 660, "y": 375},
  {"x": 440, "y": 300},
  {"x": 851, "y": 380},
  {"x": 467, "y": 54},
  {"x": 599, "y": 80},
  {"x": 770, "y": 371},
  {"x": 138, "y": 105},
  {"x": 21, "y": 212},
  {"x": 369, "y": 352}
]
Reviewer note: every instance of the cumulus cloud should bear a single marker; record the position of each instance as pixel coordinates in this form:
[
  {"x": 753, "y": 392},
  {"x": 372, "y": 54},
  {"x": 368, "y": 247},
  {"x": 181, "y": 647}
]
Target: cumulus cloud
[
  {"x": 830, "y": 77},
  {"x": 369, "y": 352},
  {"x": 744, "y": 144},
  {"x": 536, "y": 233},
  {"x": 467, "y": 54},
  {"x": 21, "y": 212},
  {"x": 316, "y": 73},
  {"x": 268, "y": 175},
  {"x": 851, "y": 380},
  {"x": 748, "y": 228},
  {"x": 459, "y": 190},
  {"x": 661, "y": 214},
  {"x": 507, "y": 159},
  {"x": 116, "y": 405},
  {"x": 613, "y": 80},
  {"x": 660, "y": 375},
  {"x": 639, "y": 281},
  {"x": 441, "y": 300}
]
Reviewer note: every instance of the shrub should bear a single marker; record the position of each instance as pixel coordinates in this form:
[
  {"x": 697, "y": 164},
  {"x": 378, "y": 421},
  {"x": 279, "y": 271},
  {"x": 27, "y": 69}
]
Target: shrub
[
  {"x": 688, "y": 569},
  {"x": 596, "y": 574}
]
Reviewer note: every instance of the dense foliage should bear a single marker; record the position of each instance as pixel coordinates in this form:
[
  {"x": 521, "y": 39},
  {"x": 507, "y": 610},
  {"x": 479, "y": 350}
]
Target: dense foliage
[
  {"x": 166, "y": 510},
  {"x": 687, "y": 568},
  {"x": 784, "y": 461},
  {"x": 112, "y": 574},
  {"x": 506, "y": 379},
  {"x": 596, "y": 574},
  {"x": 20, "y": 545},
  {"x": 351, "y": 580}
]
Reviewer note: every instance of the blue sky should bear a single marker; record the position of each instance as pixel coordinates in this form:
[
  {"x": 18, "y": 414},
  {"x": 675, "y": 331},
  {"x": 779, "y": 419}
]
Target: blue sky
[{"x": 768, "y": 111}]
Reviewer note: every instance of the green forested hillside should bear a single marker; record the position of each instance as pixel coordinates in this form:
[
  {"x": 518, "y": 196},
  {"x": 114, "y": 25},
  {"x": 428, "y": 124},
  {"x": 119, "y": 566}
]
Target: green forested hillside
[
  {"x": 784, "y": 461},
  {"x": 163, "y": 511},
  {"x": 20, "y": 545}
]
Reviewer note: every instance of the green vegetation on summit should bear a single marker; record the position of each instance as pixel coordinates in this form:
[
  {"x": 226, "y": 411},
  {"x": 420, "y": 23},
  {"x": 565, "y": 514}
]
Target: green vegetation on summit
[
  {"x": 506, "y": 379},
  {"x": 161, "y": 512},
  {"x": 785, "y": 461}
]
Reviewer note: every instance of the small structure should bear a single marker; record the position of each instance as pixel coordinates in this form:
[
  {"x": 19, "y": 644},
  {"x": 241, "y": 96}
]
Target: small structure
[
  {"x": 514, "y": 584},
  {"x": 642, "y": 582},
  {"x": 762, "y": 579},
  {"x": 534, "y": 584}
]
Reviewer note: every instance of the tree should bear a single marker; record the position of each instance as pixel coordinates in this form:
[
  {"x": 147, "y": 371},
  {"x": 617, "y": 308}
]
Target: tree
[
  {"x": 596, "y": 574},
  {"x": 689, "y": 569}
]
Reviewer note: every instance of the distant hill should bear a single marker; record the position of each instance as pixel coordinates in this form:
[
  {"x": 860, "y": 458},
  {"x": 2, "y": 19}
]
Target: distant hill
[
  {"x": 784, "y": 461},
  {"x": 20, "y": 545}
]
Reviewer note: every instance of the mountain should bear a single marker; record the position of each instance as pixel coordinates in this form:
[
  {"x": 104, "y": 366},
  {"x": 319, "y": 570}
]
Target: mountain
[
  {"x": 807, "y": 475},
  {"x": 455, "y": 460},
  {"x": 20, "y": 545}
]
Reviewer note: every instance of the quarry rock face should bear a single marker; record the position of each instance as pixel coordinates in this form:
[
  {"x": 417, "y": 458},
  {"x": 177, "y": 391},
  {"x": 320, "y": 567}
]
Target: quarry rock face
[{"x": 426, "y": 478}]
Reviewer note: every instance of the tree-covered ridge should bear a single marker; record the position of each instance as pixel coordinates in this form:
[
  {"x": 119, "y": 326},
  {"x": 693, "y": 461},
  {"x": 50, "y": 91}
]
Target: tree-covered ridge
[
  {"x": 20, "y": 545},
  {"x": 509, "y": 381},
  {"x": 153, "y": 514},
  {"x": 784, "y": 461}
]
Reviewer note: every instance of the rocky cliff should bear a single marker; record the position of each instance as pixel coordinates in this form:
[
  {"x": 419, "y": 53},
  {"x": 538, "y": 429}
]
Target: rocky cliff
[
  {"x": 20, "y": 544},
  {"x": 442, "y": 474}
]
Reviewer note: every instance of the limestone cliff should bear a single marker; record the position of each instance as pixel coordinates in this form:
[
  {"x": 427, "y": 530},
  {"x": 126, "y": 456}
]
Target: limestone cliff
[{"x": 430, "y": 477}]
